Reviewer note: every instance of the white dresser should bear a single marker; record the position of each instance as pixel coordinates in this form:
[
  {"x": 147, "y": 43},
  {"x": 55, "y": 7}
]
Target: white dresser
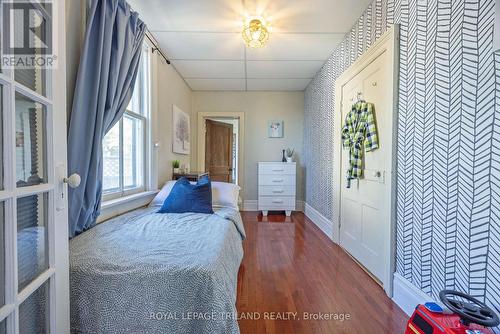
[{"x": 277, "y": 186}]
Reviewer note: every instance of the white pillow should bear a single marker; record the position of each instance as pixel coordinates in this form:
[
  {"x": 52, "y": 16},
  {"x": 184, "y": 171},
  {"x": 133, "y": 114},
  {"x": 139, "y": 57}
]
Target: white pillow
[
  {"x": 163, "y": 194},
  {"x": 223, "y": 194}
]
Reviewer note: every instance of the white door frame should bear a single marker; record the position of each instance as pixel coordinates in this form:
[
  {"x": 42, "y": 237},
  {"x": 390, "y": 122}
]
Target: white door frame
[
  {"x": 389, "y": 42},
  {"x": 202, "y": 116},
  {"x": 61, "y": 246}
]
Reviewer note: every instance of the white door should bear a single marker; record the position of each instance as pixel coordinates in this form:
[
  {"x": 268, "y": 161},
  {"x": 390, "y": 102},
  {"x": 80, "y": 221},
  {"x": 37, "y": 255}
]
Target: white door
[
  {"x": 34, "y": 289},
  {"x": 364, "y": 209}
]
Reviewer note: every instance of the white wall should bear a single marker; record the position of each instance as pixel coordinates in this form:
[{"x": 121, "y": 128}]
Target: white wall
[
  {"x": 259, "y": 108},
  {"x": 171, "y": 89}
]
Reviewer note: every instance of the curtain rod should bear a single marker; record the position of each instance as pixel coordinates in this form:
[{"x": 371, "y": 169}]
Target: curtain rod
[{"x": 156, "y": 48}]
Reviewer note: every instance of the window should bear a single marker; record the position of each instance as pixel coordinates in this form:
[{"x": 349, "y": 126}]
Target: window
[{"x": 125, "y": 146}]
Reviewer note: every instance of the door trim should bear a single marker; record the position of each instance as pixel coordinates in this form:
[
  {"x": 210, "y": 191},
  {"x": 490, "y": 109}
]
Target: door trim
[
  {"x": 388, "y": 42},
  {"x": 60, "y": 284},
  {"x": 202, "y": 115}
]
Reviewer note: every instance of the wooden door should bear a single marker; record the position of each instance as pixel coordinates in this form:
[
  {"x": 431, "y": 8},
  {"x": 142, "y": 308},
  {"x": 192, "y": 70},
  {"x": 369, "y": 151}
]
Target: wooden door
[{"x": 219, "y": 150}]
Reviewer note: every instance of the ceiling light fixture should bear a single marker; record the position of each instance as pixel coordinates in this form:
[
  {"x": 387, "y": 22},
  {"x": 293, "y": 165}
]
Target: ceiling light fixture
[{"x": 255, "y": 33}]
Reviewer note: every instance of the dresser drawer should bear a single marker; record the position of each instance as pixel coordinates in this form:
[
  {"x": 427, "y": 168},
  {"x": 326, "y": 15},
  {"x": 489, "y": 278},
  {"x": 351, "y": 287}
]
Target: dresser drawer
[
  {"x": 279, "y": 202},
  {"x": 277, "y": 190},
  {"x": 273, "y": 180},
  {"x": 277, "y": 169}
]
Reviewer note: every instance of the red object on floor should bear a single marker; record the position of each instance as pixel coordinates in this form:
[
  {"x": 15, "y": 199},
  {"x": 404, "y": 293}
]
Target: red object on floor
[{"x": 424, "y": 321}]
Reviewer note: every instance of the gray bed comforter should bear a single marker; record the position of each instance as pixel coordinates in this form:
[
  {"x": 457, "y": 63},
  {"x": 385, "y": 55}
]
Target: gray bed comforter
[{"x": 146, "y": 272}]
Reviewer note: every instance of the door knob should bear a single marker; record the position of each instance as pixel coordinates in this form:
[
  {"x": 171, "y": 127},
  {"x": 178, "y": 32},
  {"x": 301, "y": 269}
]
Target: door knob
[{"x": 73, "y": 180}]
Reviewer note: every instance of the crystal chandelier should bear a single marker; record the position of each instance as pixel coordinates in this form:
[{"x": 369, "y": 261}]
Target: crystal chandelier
[{"x": 255, "y": 33}]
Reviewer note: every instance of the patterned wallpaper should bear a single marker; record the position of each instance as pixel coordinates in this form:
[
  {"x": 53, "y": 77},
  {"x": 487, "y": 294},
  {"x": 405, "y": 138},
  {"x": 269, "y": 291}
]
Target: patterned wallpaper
[{"x": 448, "y": 192}]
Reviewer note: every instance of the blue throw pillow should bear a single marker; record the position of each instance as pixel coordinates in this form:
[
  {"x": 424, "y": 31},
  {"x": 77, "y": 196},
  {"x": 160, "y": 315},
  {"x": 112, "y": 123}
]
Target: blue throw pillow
[{"x": 187, "y": 197}]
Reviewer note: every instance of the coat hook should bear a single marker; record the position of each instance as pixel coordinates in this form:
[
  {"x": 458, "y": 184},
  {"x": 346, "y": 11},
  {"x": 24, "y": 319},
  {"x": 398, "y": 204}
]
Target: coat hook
[{"x": 360, "y": 97}]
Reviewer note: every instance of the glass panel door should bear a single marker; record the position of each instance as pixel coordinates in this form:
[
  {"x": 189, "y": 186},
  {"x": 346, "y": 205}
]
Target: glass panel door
[
  {"x": 2, "y": 255},
  {"x": 33, "y": 206}
]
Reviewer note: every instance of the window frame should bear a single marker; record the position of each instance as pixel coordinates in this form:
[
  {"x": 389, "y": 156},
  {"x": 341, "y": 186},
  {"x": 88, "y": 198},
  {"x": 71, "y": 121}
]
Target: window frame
[
  {"x": 144, "y": 84},
  {"x": 123, "y": 190}
]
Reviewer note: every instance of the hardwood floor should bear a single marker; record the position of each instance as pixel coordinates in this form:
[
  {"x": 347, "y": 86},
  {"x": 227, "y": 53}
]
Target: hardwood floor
[{"x": 291, "y": 267}]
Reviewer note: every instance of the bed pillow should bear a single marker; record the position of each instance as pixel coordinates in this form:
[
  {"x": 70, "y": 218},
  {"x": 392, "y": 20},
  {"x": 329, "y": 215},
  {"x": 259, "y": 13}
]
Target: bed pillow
[
  {"x": 187, "y": 197},
  {"x": 225, "y": 194},
  {"x": 163, "y": 194}
]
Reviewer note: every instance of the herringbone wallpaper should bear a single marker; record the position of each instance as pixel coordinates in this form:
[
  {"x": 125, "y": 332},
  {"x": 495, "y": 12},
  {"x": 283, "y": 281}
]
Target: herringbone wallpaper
[{"x": 448, "y": 192}]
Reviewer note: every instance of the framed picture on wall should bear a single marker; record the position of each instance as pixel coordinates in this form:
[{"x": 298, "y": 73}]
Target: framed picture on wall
[
  {"x": 275, "y": 129},
  {"x": 181, "y": 131}
]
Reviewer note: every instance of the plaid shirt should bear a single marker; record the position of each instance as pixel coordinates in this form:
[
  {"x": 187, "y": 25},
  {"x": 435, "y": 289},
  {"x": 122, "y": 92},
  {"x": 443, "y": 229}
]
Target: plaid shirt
[{"x": 359, "y": 134}]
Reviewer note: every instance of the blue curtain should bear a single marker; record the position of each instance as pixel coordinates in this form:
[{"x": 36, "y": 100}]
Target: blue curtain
[{"x": 105, "y": 81}]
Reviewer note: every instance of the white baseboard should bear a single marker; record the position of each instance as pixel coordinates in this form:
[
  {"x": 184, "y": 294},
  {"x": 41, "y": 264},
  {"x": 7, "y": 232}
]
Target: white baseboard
[
  {"x": 252, "y": 205},
  {"x": 320, "y": 221},
  {"x": 407, "y": 296}
]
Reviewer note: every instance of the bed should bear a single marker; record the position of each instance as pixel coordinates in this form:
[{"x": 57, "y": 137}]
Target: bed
[{"x": 146, "y": 272}]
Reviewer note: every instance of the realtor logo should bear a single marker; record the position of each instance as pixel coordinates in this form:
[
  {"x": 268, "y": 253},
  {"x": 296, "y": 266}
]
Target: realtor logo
[{"x": 27, "y": 34}]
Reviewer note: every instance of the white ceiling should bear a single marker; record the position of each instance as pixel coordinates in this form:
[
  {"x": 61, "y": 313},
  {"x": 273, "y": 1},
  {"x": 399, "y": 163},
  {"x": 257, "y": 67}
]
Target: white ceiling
[{"x": 203, "y": 39}]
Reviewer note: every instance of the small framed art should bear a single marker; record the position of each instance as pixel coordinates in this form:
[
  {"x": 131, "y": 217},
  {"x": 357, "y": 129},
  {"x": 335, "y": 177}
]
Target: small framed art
[{"x": 275, "y": 129}]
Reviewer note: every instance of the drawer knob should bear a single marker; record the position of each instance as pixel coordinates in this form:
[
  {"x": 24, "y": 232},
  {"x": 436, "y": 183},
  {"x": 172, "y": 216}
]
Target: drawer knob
[
  {"x": 278, "y": 191},
  {"x": 277, "y": 201},
  {"x": 278, "y": 170},
  {"x": 278, "y": 180}
]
